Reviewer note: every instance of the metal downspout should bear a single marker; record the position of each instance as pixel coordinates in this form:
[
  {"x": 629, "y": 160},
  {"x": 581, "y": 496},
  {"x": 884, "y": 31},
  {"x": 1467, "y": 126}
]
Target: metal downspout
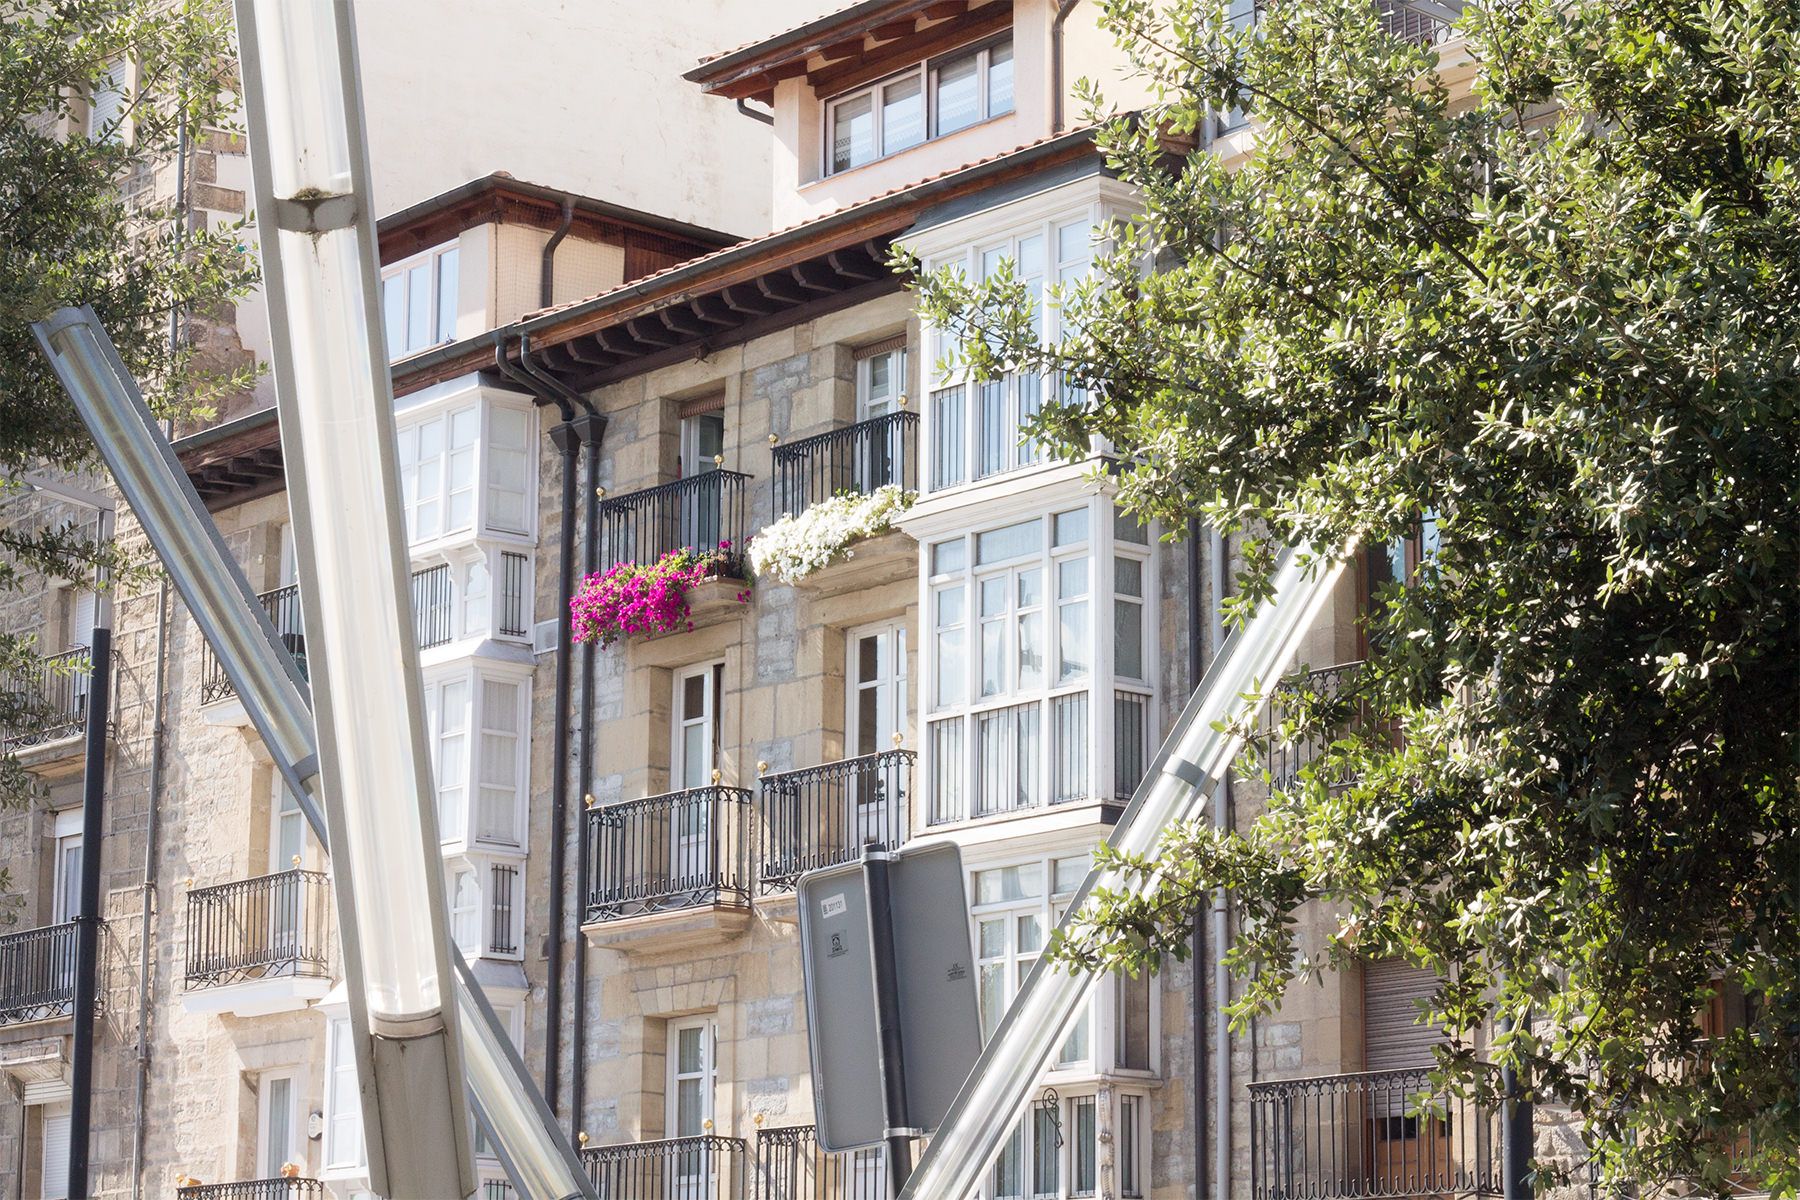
[
  {"x": 1196, "y": 663},
  {"x": 1063, "y": 9},
  {"x": 754, "y": 115},
  {"x": 584, "y": 772},
  {"x": 563, "y": 436},
  {"x": 1221, "y": 923},
  {"x": 547, "y": 271}
]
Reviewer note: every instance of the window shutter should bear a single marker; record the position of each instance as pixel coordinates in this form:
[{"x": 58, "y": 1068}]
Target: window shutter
[
  {"x": 106, "y": 106},
  {"x": 1393, "y": 1039},
  {"x": 55, "y": 1161},
  {"x": 81, "y": 620}
]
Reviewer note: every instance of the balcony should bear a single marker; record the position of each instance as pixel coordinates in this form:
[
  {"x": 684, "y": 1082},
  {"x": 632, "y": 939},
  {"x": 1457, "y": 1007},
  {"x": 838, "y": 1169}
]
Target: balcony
[
  {"x": 1330, "y": 686},
  {"x": 791, "y": 1166},
  {"x": 668, "y": 871},
  {"x": 702, "y": 512},
  {"x": 856, "y": 459},
  {"x": 256, "y": 1189},
  {"x": 51, "y": 699},
  {"x": 258, "y": 946},
  {"x": 37, "y": 974},
  {"x": 686, "y": 1168},
  {"x": 283, "y": 606},
  {"x": 822, "y": 816},
  {"x": 1373, "y": 1136}
]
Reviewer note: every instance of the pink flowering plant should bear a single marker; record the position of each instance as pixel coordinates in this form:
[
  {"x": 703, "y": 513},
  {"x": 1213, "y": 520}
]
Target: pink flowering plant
[{"x": 633, "y": 599}]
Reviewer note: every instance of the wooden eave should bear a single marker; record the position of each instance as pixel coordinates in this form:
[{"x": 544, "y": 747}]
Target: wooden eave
[
  {"x": 238, "y": 466},
  {"x": 503, "y": 205},
  {"x": 863, "y": 46}
]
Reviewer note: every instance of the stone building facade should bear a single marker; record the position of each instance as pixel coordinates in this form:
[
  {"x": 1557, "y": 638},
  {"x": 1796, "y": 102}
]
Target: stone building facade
[{"x": 993, "y": 671}]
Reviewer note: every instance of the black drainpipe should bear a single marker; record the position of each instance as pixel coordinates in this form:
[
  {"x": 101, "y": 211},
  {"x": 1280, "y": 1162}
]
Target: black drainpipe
[
  {"x": 1196, "y": 664},
  {"x": 588, "y": 429},
  {"x": 547, "y": 271},
  {"x": 755, "y": 114},
  {"x": 563, "y": 436},
  {"x": 1063, "y": 9}
]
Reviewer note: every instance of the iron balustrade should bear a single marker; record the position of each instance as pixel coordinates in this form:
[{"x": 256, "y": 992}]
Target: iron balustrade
[
  {"x": 684, "y": 1168},
  {"x": 1131, "y": 741},
  {"x": 856, "y": 459},
  {"x": 50, "y": 696},
  {"x": 1379, "y": 1135},
  {"x": 37, "y": 974},
  {"x": 434, "y": 607},
  {"x": 496, "y": 1189},
  {"x": 273, "y": 926},
  {"x": 283, "y": 606},
  {"x": 500, "y": 931},
  {"x": 1285, "y": 759},
  {"x": 701, "y": 513},
  {"x": 515, "y": 594},
  {"x": 790, "y": 1165},
  {"x": 255, "y": 1189},
  {"x": 825, "y": 815},
  {"x": 680, "y": 850}
]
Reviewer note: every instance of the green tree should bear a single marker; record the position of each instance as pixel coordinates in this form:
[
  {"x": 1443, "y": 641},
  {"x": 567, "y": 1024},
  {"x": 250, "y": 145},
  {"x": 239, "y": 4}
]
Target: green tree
[
  {"x": 1556, "y": 312},
  {"x": 83, "y": 220}
]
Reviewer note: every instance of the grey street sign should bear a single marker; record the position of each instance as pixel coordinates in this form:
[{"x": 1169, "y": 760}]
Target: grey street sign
[{"x": 891, "y": 1013}]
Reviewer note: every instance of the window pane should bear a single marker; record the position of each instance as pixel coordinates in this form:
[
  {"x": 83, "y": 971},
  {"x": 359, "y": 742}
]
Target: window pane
[
  {"x": 1011, "y": 541},
  {"x": 1134, "y": 1021},
  {"x": 446, "y": 297},
  {"x": 1070, "y": 714},
  {"x": 994, "y": 433},
  {"x": 1031, "y": 650},
  {"x": 958, "y": 93},
  {"x": 902, "y": 114},
  {"x": 1031, "y": 588},
  {"x": 1073, "y": 242},
  {"x": 1085, "y": 1150},
  {"x": 1128, "y": 639},
  {"x": 947, "y": 770},
  {"x": 1127, "y": 529},
  {"x": 1002, "y": 884},
  {"x": 947, "y": 450},
  {"x": 1071, "y": 527},
  {"x": 393, "y": 313},
  {"x": 418, "y": 308},
  {"x": 1031, "y": 256},
  {"x": 993, "y": 657},
  {"x": 1069, "y": 872},
  {"x": 1000, "y": 79},
  {"x": 1071, "y": 578},
  {"x": 948, "y": 557},
  {"x": 1074, "y": 658},
  {"x": 1031, "y": 933},
  {"x": 853, "y": 132}
]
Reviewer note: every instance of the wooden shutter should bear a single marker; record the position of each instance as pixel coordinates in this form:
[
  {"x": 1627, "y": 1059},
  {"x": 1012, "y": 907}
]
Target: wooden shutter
[{"x": 1393, "y": 1038}]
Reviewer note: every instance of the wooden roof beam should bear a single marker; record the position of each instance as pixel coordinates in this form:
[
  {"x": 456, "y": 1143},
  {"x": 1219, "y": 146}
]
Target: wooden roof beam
[
  {"x": 620, "y": 342},
  {"x": 680, "y": 322},
  {"x": 588, "y": 353},
  {"x": 747, "y": 300},
  {"x": 650, "y": 332},
  {"x": 778, "y": 289},
  {"x": 814, "y": 276},
  {"x": 844, "y": 264},
  {"x": 713, "y": 311}
]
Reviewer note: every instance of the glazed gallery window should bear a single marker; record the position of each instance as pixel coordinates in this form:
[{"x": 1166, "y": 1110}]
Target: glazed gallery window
[
  {"x": 448, "y": 458},
  {"x": 1010, "y": 615},
  {"x": 927, "y": 100},
  {"x": 418, "y": 301},
  {"x": 976, "y": 427},
  {"x": 476, "y": 725}
]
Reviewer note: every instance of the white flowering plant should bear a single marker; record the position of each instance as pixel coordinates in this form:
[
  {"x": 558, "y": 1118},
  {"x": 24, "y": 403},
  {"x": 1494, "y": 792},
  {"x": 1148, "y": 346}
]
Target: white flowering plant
[{"x": 794, "y": 547}]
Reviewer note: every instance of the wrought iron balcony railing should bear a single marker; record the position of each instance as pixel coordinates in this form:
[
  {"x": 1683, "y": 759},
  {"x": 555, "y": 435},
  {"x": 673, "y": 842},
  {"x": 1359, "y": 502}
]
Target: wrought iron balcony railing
[
  {"x": 283, "y": 606},
  {"x": 255, "y": 1189},
  {"x": 684, "y": 1168},
  {"x": 702, "y": 512},
  {"x": 791, "y": 1166},
  {"x": 270, "y": 927},
  {"x": 37, "y": 974},
  {"x": 680, "y": 850},
  {"x": 434, "y": 607},
  {"x": 1284, "y": 758},
  {"x": 1371, "y": 1136},
  {"x": 51, "y": 698},
  {"x": 857, "y": 459},
  {"x": 822, "y": 816}
]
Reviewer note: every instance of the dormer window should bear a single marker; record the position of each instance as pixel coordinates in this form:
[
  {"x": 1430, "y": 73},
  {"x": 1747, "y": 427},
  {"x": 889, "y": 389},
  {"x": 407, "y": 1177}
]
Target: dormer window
[
  {"x": 419, "y": 300},
  {"x": 942, "y": 96}
]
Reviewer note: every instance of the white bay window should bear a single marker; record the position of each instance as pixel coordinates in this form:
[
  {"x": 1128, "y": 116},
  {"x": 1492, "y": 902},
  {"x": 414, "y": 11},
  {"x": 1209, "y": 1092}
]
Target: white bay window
[
  {"x": 475, "y": 721},
  {"x": 466, "y": 470}
]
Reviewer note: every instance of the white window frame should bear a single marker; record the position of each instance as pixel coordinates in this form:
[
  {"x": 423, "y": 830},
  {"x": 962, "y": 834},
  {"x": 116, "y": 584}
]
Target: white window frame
[
  {"x": 710, "y": 719},
  {"x": 926, "y": 72},
  {"x": 435, "y": 334},
  {"x": 67, "y": 832},
  {"x": 295, "y": 1151},
  {"x": 108, "y": 116},
  {"x": 466, "y": 910},
  {"x": 472, "y": 710},
  {"x": 953, "y": 401},
  {"x": 708, "y": 1074},
  {"x": 1046, "y": 907},
  {"x": 61, "y": 1110},
  {"x": 896, "y": 683},
  {"x": 281, "y": 810},
  {"x": 484, "y": 484},
  {"x": 692, "y": 461},
  {"x": 865, "y": 398},
  {"x": 342, "y": 1153}
]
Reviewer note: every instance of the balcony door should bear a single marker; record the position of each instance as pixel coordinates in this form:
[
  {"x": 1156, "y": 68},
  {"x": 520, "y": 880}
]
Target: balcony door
[
  {"x": 693, "y": 1045},
  {"x": 876, "y": 723},
  {"x": 695, "y": 757},
  {"x": 53, "y": 1150},
  {"x": 287, "y": 847},
  {"x": 277, "y": 1124},
  {"x": 702, "y": 449},
  {"x": 880, "y": 383},
  {"x": 1413, "y": 1153}
]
